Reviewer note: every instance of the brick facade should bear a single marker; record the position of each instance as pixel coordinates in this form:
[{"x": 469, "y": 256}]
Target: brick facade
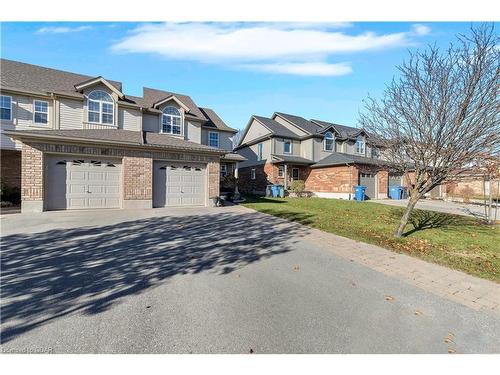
[
  {"x": 338, "y": 179},
  {"x": 137, "y": 178},
  {"x": 31, "y": 174},
  {"x": 10, "y": 171},
  {"x": 213, "y": 170},
  {"x": 137, "y": 167}
]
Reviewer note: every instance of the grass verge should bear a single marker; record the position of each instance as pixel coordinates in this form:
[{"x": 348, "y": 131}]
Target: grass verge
[{"x": 459, "y": 242}]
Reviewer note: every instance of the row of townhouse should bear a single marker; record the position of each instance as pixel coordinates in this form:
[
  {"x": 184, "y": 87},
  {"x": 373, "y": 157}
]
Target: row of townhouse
[
  {"x": 330, "y": 158},
  {"x": 71, "y": 141}
]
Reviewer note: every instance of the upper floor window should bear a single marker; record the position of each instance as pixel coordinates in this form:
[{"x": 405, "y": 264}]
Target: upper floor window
[
  {"x": 40, "y": 112},
  {"x": 287, "y": 146},
  {"x": 100, "y": 107},
  {"x": 259, "y": 151},
  {"x": 360, "y": 145},
  {"x": 171, "y": 121},
  {"x": 6, "y": 107},
  {"x": 328, "y": 142},
  {"x": 213, "y": 139}
]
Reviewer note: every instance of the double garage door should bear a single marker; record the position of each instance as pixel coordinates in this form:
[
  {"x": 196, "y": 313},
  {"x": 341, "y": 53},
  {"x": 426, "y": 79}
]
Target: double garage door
[{"x": 76, "y": 182}]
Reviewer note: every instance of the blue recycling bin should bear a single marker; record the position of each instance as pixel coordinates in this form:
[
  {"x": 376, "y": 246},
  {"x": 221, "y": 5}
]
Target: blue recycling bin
[
  {"x": 281, "y": 191},
  {"x": 359, "y": 192},
  {"x": 396, "y": 192},
  {"x": 275, "y": 190}
]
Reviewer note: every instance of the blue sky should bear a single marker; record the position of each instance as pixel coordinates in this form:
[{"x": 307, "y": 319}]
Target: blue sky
[{"x": 321, "y": 71}]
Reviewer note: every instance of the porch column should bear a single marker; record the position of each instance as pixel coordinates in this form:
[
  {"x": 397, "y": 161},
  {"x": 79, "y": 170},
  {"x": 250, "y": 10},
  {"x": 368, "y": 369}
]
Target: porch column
[
  {"x": 236, "y": 177},
  {"x": 286, "y": 176}
]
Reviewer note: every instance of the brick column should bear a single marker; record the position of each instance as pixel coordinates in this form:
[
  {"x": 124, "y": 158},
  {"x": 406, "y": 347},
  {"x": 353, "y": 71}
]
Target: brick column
[
  {"x": 137, "y": 182},
  {"x": 213, "y": 169},
  {"x": 31, "y": 179},
  {"x": 383, "y": 184}
]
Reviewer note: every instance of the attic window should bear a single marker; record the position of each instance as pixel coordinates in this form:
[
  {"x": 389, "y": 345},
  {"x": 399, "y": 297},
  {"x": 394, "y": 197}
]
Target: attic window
[
  {"x": 328, "y": 142},
  {"x": 360, "y": 145},
  {"x": 171, "y": 121}
]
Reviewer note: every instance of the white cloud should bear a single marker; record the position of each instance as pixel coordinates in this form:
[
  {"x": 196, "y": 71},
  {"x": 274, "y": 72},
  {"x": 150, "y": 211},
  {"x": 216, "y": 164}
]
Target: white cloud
[
  {"x": 293, "y": 48},
  {"x": 303, "y": 69},
  {"x": 62, "y": 29},
  {"x": 420, "y": 29}
]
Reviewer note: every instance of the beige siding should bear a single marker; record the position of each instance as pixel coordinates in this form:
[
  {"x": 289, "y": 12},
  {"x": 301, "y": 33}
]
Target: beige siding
[
  {"x": 193, "y": 132},
  {"x": 306, "y": 149},
  {"x": 225, "y": 142},
  {"x": 129, "y": 119},
  {"x": 71, "y": 114},
  {"x": 278, "y": 147},
  {"x": 22, "y": 118},
  {"x": 250, "y": 153},
  {"x": 256, "y": 130},
  {"x": 151, "y": 123}
]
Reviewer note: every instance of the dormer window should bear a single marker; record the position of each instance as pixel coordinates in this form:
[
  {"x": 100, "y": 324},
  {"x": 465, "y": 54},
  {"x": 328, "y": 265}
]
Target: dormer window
[
  {"x": 360, "y": 145},
  {"x": 100, "y": 107},
  {"x": 171, "y": 121},
  {"x": 328, "y": 142}
]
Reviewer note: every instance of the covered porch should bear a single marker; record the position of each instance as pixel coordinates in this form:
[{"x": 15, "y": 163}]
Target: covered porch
[
  {"x": 289, "y": 168},
  {"x": 229, "y": 172}
]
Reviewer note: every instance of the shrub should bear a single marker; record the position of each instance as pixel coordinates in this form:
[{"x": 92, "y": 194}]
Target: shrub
[
  {"x": 10, "y": 194},
  {"x": 297, "y": 186}
]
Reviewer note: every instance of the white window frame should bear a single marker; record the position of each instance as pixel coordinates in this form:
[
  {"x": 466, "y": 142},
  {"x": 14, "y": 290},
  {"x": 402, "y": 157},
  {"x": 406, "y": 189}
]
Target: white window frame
[
  {"x": 360, "y": 141},
  {"x": 332, "y": 138},
  {"x": 217, "y": 134},
  {"x": 291, "y": 146},
  {"x": 35, "y": 112},
  {"x": 281, "y": 171},
  {"x": 181, "y": 118},
  {"x": 223, "y": 170},
  {"x": 10, "y": 97},
  {"x": 100, "y": 111},
  {"x": 260, "y": 148},
  {"x": 298, "y": 174},
  {"x": 252, "y": 174}
]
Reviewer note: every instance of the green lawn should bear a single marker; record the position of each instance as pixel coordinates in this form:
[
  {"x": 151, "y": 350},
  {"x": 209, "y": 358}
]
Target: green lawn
[{"x": 459, "y": 242}]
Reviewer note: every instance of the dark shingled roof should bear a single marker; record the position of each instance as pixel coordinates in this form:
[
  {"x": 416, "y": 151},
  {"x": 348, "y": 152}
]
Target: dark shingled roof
[
  {"x": 125, "y": 137},
  {"x": 152, "y": 96},
  {"x": 276, "y": 128},
  {"x": 337, "y": 158},
  {"x": 22, "y": 76},
  {"x": 214, "y": 121},
  {"x": 292, "y": 159},
  {"x": 302, "y": 123},
  {"x": 343, "y": 130}
]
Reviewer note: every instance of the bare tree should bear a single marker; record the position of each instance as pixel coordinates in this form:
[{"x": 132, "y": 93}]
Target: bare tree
[{"x": 440, "y": 114}]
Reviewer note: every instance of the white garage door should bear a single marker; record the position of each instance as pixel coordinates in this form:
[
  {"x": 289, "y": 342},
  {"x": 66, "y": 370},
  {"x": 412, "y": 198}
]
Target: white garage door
[
  {"x": 178, "y": 184},
  {"x": 74, "y": 182}
]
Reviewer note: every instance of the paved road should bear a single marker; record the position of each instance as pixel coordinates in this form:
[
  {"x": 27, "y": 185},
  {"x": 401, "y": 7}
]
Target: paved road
[
  {"x": 455, "y": 208},
  {"x": 221, "y": 280}
]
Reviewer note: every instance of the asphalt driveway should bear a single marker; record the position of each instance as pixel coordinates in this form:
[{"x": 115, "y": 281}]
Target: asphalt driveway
[{"x": 222, "y": 280}]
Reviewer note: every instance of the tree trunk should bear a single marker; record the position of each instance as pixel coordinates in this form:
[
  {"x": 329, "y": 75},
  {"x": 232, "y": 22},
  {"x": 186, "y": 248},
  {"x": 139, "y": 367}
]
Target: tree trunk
[{"x": 406, "y": 216}]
